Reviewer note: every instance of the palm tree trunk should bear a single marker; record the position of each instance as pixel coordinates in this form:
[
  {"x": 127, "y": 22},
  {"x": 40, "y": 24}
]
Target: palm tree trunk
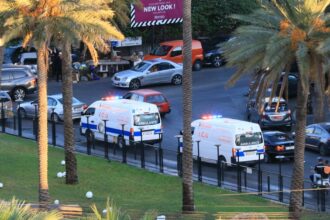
[
  {"x": 70, "y": 158},
  {"x": 43, "y": 127},
  {"x": 187, "y": 166},
  {"x": 319, "y": 113},
  {"x": 299, "y": 153},
  {"x": 2, "y": 51}
]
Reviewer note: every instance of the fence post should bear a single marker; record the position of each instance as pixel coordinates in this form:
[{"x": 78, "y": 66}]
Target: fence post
[
  {"x": 239, "y": 187},
  {"x": 142, "y": 150},
  {"x": 3, "y": 120},
  {"x": 106, "y": 143},
  {"x": 19, "y": 118},
  {"x": 259, "y": 174},
  {"x": 53, "y": 130},
  {"x": 160, "y": 151},
  {"x": 124, "y": 146},
  {"x": 179, "y": 157},
  {"x": 218, "y": 166},
  {"x": 14, "y": 121},
  {"x": 199, "y": 161},
  {"x": 35, "y": 121},
  {"x": 88, "y": 139}
]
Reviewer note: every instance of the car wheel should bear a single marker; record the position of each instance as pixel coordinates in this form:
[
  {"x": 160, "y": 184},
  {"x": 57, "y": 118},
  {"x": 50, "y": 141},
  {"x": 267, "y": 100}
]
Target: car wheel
[
  {"x": 323, "y": 150},
  {"x": 197, "y": 65},
  {"x": 177, "y": 80},
  {"x": 121, "y": 142},
  {"x": 55, "y": 118},
  {"x": 217, "y": 62},
  {"x": 19, "y": 94},
  {"x": 267, "y": 158},
  {"x": 21, "y": 112},
  {"x": 134, "y": 84}
]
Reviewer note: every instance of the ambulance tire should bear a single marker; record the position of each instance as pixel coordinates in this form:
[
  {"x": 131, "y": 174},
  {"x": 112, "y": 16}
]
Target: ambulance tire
[{"x": 120, "y": 142}]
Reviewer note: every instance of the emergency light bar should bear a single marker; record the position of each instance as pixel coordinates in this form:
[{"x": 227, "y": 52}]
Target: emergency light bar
[
  {"x": 208, "y": 117},
  {"x": 108, "y": 98}
]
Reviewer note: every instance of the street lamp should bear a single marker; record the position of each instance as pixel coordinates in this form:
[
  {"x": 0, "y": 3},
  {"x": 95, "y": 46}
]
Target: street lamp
[{"x": 280, "y": 179}]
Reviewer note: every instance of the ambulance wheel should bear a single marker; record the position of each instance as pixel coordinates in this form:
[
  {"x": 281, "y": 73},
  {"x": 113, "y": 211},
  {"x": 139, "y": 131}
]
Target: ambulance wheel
[{"x": 121, "y": 142}]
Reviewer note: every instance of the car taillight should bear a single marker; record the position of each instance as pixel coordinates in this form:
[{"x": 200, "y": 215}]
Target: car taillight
[
  {"x": 131, "y": 131},
  {"x": 265, "y": 147},
  {"x": 263, "y": 115},
  {"x": 33, "y": 82},
  {"x": 85, "y": 107},
  {"x": 280, "y": 148}
]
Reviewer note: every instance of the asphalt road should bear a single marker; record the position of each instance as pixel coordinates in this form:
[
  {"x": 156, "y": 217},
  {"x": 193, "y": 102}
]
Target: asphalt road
[{"x": 210, "y": 96}]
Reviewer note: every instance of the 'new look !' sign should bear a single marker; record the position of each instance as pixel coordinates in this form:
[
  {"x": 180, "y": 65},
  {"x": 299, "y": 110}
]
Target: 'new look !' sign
[{"x": 156, "y": 12}]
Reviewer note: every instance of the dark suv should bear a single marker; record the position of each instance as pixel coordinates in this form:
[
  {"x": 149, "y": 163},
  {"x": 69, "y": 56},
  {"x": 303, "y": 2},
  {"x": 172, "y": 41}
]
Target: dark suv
[
  {"x": 213, "y": 55},
  {"x": 18, "y": 82},
  {"x": 267, "y": 116}
]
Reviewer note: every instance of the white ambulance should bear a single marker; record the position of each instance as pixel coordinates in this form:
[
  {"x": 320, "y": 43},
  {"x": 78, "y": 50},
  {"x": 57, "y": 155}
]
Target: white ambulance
[
  {"x": 123, "y": 120},
  {"x": 235, "y": 139}
]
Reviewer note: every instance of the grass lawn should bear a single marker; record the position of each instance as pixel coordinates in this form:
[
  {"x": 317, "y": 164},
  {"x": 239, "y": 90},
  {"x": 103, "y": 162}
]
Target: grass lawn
[{"x": 134, "y": 190}]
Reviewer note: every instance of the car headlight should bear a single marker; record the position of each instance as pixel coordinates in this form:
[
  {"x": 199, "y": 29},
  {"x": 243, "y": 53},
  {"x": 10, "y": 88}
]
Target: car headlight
[{"x": 124, "y": 79}]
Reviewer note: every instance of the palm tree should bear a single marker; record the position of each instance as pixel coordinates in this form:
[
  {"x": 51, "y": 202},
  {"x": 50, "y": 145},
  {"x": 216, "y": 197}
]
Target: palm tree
[
  {"x": 187, "y": 166},
  {"x": 79, "y": 22},
  {"x": 276, "y": 35}
]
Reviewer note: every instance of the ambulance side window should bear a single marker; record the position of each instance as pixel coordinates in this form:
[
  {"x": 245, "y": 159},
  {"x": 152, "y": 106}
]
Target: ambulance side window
[{"x": 90, "y": 111}]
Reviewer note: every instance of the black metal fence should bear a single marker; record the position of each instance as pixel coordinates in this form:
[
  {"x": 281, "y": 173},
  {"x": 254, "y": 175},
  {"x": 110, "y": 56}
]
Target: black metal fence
[{"x": 156, "y": 158}]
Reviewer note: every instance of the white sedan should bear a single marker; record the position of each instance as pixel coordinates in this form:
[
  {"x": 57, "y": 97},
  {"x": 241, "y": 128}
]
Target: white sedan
[{"x": 55, "y": 108}]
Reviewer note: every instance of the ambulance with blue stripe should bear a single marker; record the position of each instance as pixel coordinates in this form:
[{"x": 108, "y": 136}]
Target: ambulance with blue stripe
[
  {"x": 124, "y": 121},
  {"x": 237, "y": 140}
]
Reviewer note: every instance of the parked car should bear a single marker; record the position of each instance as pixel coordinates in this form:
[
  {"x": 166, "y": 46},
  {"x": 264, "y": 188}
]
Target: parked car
[
  {"x": 277, "y": 143},
  {"x": 172, "y": 50},
  {"x": 55, "y": 108},
  {"x": 318, "y": 138},
  {"x": 18, "y": 82},
  {"x": 267, "y": 116},
  {"x": 149, "y": 72},
  {"x": 29, "y": 59},
  {"x": 150, "y": 96},
  {"x": 26, "y": 67},
  {"x": 213, "y": 54},
  {"x": 6, "y": 104}
]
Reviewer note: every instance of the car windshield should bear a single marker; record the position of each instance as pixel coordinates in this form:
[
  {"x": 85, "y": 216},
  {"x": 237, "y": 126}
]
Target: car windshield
[
  {"x": 162, "y": 50},
  {"x": 248, "y": 139},
  {"x": 141, "y": 67},
  {"x": 278, "y": 137},
  {"x": 74, "y": 101},
  {"x": 155, "y": 98},
  {"x": 281, "y": 108},
  {"x": 146, "y": 119}
]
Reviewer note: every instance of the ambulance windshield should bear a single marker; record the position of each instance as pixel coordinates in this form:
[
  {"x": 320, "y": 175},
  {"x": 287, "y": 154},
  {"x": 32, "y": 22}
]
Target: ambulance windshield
[
  {"x": 248, "y": 139},
  {"x": 146, "y": 119}
]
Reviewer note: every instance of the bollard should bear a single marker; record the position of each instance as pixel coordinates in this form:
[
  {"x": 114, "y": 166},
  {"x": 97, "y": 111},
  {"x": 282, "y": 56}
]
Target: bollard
[
  {"x": 35, "y": 121},
  {"x": 87, "y": 137},
  {"x": 160, "y": 151},
  {"x": 259, "y": 174},
  {"x": 268, "y": 183},
  {"x": 239, "y": 187}
]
